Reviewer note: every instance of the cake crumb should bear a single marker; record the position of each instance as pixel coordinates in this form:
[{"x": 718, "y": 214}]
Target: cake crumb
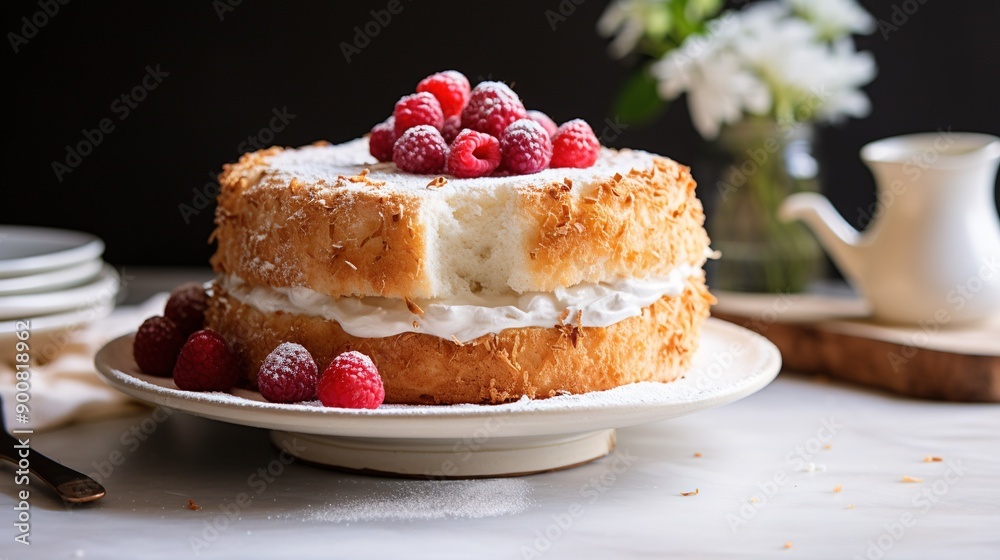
[
  {"x": 828, "y": 446},
  {"x": 754, "y": 499},
  {"x": 932, "y": 459},
  {"x": 193, "y": 506},
  {"x": 838, "y": 488},
  {"x": 695, "y": 493},
  {"x": 908, "y": 478},
  {"x": 437, "y": 182},
  {"x": 413, "y": 307},
  {"x": 697, "y": 454},
  {"x": 788, "y": 544},
  {"x": 850, "y": 506},
  {"x": 564, "y": 315}
]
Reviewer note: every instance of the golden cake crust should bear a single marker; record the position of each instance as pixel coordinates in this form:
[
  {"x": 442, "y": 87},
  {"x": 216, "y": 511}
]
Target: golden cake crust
[
  {"x": 537, "y": 362},
  {"x": 335, "y": 238}
]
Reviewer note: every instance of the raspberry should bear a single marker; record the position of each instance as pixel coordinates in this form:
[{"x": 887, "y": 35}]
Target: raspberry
[
  {"x": 186, "y": 307},
  {"x": 451, "y": 88},
  {"x": 383, "y": 136},
  {"x": 574, "y": 145},
  {"x": 492, "y": 106},
  {"x": 452, "y": 126},
  {"x": 156, "y": 346},
  {"x": 205, "y": 364},
  {"x": 351, "y": 381},
  {"x": 420, "y": 149},
  {"x": 541, "y": 118},
  {"x": 526, "y": 147},
  {"x": 288, "y": 374},
  {"x": 473, "y": 154},
  {"x": 415, "y": 110}
]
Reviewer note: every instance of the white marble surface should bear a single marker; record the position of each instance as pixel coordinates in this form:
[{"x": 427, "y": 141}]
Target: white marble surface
[{"x": 614, "y": 507}]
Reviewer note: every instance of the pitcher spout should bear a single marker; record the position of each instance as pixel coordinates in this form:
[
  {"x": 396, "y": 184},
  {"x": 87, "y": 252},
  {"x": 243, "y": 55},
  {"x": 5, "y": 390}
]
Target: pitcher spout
[{"x": 838, "y": 238}]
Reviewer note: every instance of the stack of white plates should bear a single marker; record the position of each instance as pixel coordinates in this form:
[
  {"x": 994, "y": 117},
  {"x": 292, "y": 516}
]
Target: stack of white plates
[{"x": 51, "y": 281}]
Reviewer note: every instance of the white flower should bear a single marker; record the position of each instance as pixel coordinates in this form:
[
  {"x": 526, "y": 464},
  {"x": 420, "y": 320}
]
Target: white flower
[
  {"x": 846, "y": 71},
  {"x": 720, "y": 89},
  {"x": 764, "y": 60},
  {"x": 626, "y": 21},
  {"x": 834, "y": 18}
]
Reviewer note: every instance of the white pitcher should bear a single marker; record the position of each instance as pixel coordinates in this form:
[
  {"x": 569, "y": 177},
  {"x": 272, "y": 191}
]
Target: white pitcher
[{"x": 932, "y": 253}]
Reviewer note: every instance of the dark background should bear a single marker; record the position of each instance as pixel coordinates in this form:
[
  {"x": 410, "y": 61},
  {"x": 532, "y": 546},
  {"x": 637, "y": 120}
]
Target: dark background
[{"x": 940, "y": 69}]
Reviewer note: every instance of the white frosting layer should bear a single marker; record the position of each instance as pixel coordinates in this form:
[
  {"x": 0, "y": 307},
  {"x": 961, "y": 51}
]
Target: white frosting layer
[
  {"x": 471, "y": 315},
  {"x": 336, "y": 164}
]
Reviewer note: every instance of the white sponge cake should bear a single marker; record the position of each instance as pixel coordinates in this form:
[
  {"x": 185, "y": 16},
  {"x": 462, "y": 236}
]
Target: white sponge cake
[
  {"x": 334, "y": 220},
  {"x": 463, "y": 290}
]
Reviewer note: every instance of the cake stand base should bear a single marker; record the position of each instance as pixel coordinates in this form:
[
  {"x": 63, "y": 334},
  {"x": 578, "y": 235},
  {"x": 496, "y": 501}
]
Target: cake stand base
[{"x": 448, "y": 458}]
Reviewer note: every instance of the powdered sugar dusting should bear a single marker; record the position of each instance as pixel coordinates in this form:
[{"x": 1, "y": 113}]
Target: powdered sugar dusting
[
  {"x": 419, "y": 500},
  {"x": 284, "y": 360},
  {"x": 731, "y": 362},
  {"x": 334, "y": 165}
]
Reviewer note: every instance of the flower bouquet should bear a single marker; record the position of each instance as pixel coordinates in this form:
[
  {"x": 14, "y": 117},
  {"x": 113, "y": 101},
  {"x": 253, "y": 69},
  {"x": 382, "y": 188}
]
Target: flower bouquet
[{"x": 757, "y": 80}]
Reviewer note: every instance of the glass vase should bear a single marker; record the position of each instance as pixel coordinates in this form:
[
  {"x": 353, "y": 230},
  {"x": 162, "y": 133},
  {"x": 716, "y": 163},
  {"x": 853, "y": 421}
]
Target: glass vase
[{"x": 762, "y": 162}]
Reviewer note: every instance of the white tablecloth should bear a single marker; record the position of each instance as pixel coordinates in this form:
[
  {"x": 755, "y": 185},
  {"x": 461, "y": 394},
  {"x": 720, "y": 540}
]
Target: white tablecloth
[{"x": 766, "y": 479}]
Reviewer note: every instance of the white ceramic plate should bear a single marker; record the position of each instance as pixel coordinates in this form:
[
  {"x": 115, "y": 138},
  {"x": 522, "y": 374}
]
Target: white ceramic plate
[
  {"x": 717, "y": 377},
  {"x": 103, "y": 287},
  {"x": 29, "y": 250},
  {"x": 516, "y": 438},
  {"x": 48, "y": 334},
  {"x": 51, "y": 280}
]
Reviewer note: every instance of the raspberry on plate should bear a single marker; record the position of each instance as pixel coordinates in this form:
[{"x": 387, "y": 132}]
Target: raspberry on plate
[
  {"x": 473, "y": 154},
  {"x": 186, "y": 307},
  {"x": 525, "y": 147},
  {"x": 451, "y": 88},
  {"x": 383, "y": 136},
  {"x": 206, "y": 363},
  {"x": 351, "y": 381},
  {"x": 415, "y": 110},
  {"x": 288, "y": 374},
  {"x": 452, "y": 126},
  {"x": 492, "y": 107},
  {"x": 156, "y": 346},
  {"x": 541, "y": 118},
  {"x": 574, "y": 145},
  {"x": 420, "y": 149}
]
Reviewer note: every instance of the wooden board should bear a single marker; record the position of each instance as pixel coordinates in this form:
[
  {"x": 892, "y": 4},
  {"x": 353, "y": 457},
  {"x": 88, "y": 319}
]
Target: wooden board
[{"x": 831, "y": 335}]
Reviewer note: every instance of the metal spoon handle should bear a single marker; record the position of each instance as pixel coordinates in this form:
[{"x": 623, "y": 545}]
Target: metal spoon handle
[{"x": 70, "y": 485}]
